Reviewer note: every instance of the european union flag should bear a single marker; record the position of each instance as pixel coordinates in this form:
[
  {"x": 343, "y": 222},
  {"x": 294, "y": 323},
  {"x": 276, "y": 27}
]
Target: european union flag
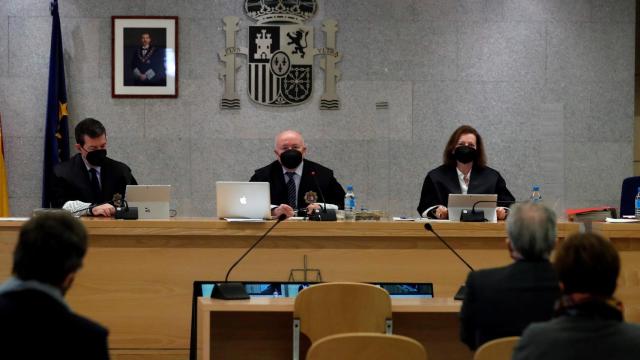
[{"x": 56, "y": 137}]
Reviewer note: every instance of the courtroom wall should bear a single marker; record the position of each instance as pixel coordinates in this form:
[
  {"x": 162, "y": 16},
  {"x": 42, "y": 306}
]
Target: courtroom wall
[{"x": 549, "y": 83}]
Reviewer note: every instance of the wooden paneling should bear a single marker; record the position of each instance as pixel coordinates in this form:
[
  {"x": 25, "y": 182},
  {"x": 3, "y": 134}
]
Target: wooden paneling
[
  {"x": 138, "y": 275},
  {"x": 243, "y": 329}
]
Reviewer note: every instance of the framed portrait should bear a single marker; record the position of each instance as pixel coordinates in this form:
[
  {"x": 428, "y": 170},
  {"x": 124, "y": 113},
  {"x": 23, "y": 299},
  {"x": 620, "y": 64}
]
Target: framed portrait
[{"x": 144, "y": 56}]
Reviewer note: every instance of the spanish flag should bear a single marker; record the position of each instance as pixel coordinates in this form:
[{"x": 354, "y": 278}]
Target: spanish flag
[{"x": 4, "y": 192}]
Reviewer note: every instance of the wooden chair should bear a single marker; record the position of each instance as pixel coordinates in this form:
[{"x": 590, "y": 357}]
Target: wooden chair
[
  {"x": 366, "y": 346},
  {"x": 340, "y": 307},
  {"x": 498, "y": 349}
]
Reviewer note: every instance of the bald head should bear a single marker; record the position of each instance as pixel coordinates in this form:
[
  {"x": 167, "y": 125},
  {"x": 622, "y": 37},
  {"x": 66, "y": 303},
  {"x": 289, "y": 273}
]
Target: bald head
[{"x": 288, "y": 139}]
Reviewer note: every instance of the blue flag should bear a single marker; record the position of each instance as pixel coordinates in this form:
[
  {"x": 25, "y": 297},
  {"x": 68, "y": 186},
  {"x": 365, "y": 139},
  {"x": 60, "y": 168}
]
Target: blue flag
[{"x": 56, "y": 137}]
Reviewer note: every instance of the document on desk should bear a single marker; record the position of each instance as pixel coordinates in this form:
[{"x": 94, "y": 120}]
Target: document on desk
[
  {"x": 14, "y": 218},
  {"x": 244, "y": 220},
  {"x": 617, "y": 221}
]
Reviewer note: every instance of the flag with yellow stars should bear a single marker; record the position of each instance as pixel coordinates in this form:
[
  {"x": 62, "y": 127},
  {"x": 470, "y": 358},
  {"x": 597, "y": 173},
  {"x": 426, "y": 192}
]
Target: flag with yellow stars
[
  {"x": 4, "y": 191},
  {"x": 56, "y": 137}
]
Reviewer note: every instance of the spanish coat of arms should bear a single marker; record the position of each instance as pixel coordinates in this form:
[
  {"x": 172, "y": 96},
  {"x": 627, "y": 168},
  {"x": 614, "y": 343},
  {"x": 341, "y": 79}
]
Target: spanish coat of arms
[{"x": 280, "y": 55}]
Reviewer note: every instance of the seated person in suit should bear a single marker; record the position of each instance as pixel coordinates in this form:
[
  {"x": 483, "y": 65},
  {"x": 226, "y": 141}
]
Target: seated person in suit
[
  {"x": 503, "y": 301},
  {"x": 89, "y": 180},
  {"x": 588, "y": 321},
  {"x": 291, "y": 178},
  {"x": 464, "y": 171},
  {"x": 35, "y": 320}
]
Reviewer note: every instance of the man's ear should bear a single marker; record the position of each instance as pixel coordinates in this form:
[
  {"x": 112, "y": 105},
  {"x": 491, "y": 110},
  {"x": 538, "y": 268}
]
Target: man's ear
[
  {"x": 68, "y": 281},
  {"x": 561, "y": 285},
  {"x": 78, "y": 147}
]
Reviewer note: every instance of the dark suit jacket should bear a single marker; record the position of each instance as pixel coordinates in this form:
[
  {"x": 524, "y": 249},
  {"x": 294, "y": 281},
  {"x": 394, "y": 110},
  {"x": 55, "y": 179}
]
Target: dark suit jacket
[
  {"x": 272, "y": 173},
  {"x": 71, "y": 181},
  {"x": 33, "y": 325},
  {"x": 443, "y": 180},
  {"x": 503, "y": 301},
  {"x": 579, "y": 338}
]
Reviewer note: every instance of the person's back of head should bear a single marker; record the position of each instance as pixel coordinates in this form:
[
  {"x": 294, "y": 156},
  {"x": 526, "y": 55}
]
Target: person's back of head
[
  {"x": 50, "y": 247},
  {"x": 588, "y": 264},
  {"x": 531, "y": 229}
]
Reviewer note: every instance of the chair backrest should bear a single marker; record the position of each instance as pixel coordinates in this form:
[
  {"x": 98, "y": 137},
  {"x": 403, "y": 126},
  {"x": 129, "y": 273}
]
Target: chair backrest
[
  {"x": 366, "y": 346},
  {"x": 627, "y": 195},
  {"x": 342, "y": 307},
  {"x": 498, "y": 349}
]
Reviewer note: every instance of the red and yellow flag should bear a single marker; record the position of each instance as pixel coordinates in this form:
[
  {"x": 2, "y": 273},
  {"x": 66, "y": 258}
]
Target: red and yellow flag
[{"x": 4, "y": 191}]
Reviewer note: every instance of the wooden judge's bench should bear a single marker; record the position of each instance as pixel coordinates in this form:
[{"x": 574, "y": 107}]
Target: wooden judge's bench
[{"x": 137, "y": 277}]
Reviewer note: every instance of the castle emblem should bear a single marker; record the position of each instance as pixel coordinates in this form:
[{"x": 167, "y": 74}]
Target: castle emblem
[{"x": 280, "y": 55}]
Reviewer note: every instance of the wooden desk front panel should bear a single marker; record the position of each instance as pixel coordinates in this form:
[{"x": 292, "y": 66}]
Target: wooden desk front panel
[{"x": 137, "y": 278}]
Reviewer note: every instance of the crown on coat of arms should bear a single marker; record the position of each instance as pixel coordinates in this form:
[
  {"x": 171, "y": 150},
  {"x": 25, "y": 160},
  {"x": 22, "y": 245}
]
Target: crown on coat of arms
[{"x": 280, "y": 11}]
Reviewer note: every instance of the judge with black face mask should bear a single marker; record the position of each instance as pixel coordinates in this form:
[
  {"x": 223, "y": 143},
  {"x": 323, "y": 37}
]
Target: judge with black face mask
[
  {"x": 89, "y": 180},
  {"x": 464, "y": 171},
  {"x": 291, "y": 178}
]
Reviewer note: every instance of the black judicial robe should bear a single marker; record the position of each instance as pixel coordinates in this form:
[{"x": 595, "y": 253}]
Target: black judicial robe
[
  {"x": 272, "y": 173},
  {"x": 71, "y": 181},
  {"x": 443, "y": 180}
]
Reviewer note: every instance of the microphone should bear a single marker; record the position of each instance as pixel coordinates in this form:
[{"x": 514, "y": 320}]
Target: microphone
[
  {"x": 235, "y": 290},
  {"x": 324, "y": 214},
  {"x": 478, "y": 215},
  {"x": 462, "y": 291}
]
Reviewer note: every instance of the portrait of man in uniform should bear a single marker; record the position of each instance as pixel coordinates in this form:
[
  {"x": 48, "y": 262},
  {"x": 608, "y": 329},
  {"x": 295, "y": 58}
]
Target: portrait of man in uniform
[{"x": 145, "y": 57}]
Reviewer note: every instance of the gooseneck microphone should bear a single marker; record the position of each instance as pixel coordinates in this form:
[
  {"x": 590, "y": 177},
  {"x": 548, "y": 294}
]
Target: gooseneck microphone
[
  {"x": 324, "y": 215},
  {"x": 235, "y": 290},
  {"x": 462, "y": 291},
  {"x": 478, "y": 215}
]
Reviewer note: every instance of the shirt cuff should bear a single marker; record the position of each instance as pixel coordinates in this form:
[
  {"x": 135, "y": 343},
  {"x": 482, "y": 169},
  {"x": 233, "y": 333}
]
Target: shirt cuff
[{"x": 425, "y": 214}]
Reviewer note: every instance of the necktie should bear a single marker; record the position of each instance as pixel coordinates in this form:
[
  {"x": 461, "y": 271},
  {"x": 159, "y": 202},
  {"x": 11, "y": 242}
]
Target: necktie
[
  {"x": 95, "y": 186},
  {"x": 466, "y": 179},
  {"x": 291, "y": 189}
]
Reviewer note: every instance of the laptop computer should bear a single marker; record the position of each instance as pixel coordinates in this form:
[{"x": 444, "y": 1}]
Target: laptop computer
[
  {"x": 461, "y": 202},
  {"x": 152, "y": 201},
  {"x": 243, "y": 200}
]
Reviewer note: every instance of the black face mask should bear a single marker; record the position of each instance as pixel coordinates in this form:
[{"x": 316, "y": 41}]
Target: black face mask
[
  {"x": 291, "y": 158},
  {"x": 97, "y": 157},
  {"x": 465, "y": 154}
]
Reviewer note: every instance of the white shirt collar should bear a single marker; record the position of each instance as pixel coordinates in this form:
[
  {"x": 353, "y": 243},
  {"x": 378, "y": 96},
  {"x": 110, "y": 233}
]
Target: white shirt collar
[
  {"x": 298, "y": 170},
  {"x": 461, "y": 174}
]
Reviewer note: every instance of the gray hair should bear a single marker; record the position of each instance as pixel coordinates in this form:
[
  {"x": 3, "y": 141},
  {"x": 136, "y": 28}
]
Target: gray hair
[{"x": 532, "y": 230}]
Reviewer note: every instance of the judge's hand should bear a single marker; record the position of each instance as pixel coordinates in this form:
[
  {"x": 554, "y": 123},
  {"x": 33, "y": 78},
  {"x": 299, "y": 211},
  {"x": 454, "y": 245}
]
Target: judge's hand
[
  {"x": 312, "y": 208},
  {"x": 282, "y": 209},
  {"x": 104, "y": 210},
  {"x": 442, "y": 212},
  {"x": 502, "y": 213}
]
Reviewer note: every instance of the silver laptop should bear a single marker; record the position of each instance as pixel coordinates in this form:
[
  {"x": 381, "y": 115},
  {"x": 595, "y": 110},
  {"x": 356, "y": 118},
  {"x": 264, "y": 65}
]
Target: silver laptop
[
  {"x": 243, "y": 200},
  {"x": 152, "y": 201},
  {"x": 460, "y": 202}
]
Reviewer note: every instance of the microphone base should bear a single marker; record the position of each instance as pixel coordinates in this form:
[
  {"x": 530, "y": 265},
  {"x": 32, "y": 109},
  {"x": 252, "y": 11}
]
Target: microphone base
[
  {"x": 130, "y": 213},
  {"x": 462, "y": 292},
  {"x": 472, "y": 216},
  {"x": 329, "y": 215},
  {"x": 230, "y": 291}
]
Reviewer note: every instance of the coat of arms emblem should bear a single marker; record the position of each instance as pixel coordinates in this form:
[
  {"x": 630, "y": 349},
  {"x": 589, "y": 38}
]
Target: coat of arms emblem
[{"x": 280, "y": 55}]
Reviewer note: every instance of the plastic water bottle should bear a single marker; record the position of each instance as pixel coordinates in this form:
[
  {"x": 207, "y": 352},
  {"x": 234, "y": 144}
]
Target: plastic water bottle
[
  {"x": 349, "y": 204},
  {"x": 638, "y": 204},
  {"x": 536, "y": 196}
]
